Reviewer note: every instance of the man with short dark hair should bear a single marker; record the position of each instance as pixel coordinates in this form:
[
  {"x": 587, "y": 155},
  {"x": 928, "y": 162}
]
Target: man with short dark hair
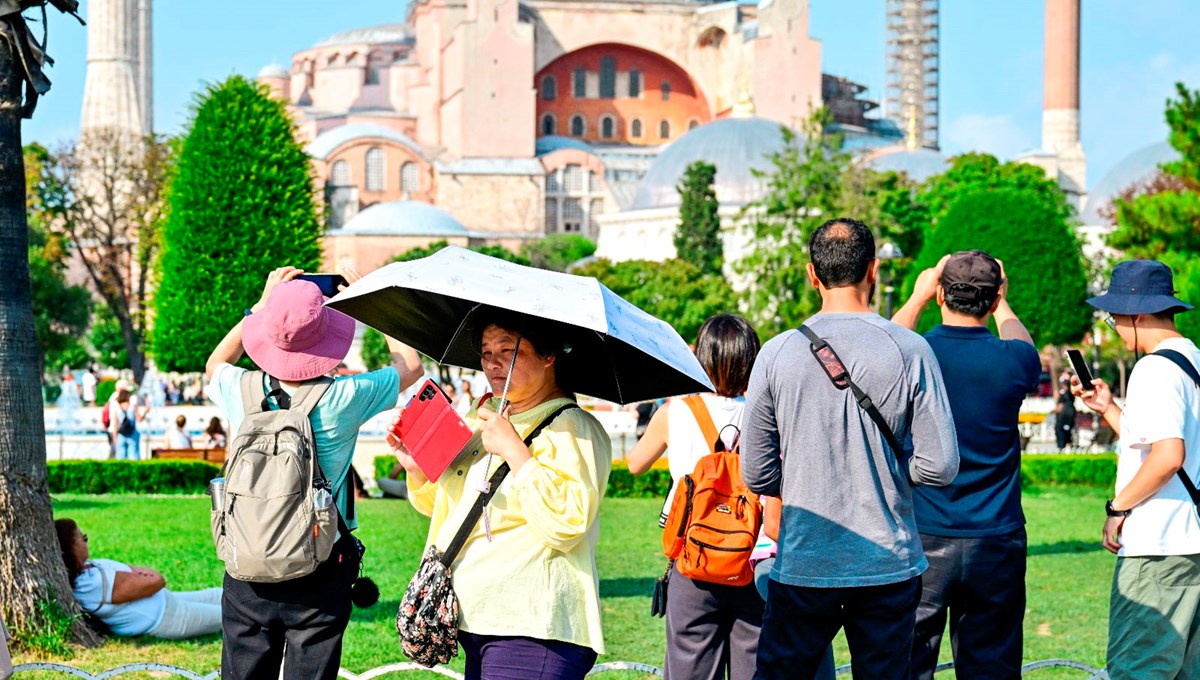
[
  {"x": 973, "y": 530},
  {"x": 1153, "y": 522},
  {"x": 849, "y": 554}
]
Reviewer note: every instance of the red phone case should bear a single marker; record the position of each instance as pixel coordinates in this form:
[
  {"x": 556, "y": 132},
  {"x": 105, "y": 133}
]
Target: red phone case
[{"x": 432, "y": 430}]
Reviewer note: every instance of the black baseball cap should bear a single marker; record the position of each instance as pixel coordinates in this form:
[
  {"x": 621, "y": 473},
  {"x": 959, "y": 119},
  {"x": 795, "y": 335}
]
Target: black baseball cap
[{"x": 971, "y": 275}]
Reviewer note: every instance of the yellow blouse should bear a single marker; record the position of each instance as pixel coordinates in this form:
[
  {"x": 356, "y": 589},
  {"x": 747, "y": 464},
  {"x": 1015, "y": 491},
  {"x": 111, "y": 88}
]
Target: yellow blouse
[{"x": 537, "y": 576}]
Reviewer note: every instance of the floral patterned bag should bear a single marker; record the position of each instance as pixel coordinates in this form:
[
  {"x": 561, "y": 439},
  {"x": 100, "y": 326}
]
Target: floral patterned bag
[{"x": 427, "y": 620}]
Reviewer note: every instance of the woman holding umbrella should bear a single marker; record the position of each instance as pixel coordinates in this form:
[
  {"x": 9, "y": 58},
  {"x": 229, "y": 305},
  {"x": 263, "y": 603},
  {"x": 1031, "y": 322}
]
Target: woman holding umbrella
[{"x": 526, "y": 577}]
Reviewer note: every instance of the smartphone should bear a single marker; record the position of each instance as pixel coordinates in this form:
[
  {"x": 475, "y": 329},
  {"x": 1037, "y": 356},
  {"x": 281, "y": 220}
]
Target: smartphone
[
  {"x": 432, "y": 431},
  {"x": 328, "y": 283},
  {"x": 1081, "y": 368}
]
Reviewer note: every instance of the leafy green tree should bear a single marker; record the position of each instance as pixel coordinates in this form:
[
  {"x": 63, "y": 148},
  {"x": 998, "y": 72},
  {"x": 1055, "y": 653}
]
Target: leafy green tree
[
  {"x": 698, "y": 235},
  {"x": 970, "y": 172},
  {"x": 107, "y": 341},
  {"x": 556, "y": 252},
  {"x": 375, "y": 352},
  {"x": 804, "y": 189},
  {"x": 1161, "y": 219},
  {"x": 1041, "y": 256},
  {"x": 673, "y": 290},
  {"x": 241, "y": 205},
  {"x": 425, "y": 251}
]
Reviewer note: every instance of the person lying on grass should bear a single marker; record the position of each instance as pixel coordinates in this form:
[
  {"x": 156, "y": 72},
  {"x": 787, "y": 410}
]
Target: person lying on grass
[{"x": 132, "y": 601}]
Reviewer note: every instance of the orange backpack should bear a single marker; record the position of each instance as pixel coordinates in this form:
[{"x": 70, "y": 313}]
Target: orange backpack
[{"x": 714, "y": 519}]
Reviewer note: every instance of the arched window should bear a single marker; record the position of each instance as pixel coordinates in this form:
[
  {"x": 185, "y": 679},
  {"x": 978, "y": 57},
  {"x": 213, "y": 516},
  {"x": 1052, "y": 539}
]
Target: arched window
[
  {"x": 410, "y": 181},
  {"x": 549, "y": 125},
  {"x": 339, "y": 176},
  {"x": 608, "y": 78},
  {"x": 375, "y": 171},
  {"x": 371, "y": 76},
  {"x": 664, "y": 130},
  {"x": 635, "y": 83},
  {"x": 549, "y": 88},
  {"x": 635, "y": 128},
  {"x": 666, "y": 91},
  {"x": 607, "y": 127},
  {"x": 580, "y": 82},
  {"x": 573, "y": 179},
  {"x": 693, "y": 123},
  {"x": 577, "y": 126}
]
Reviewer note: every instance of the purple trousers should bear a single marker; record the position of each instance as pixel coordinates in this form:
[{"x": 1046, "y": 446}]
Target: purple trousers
[{"x": 497, "y": 657}]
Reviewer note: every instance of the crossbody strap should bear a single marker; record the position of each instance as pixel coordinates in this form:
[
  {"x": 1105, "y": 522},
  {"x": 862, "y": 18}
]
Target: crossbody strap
[
  {"x": 476, "y": 511},
  {"x": 704, "y": 419},
  {"x": 1187, "y": 367},
  {"x": 839, "y": 375},
  {"x": 103, "y": 589}
]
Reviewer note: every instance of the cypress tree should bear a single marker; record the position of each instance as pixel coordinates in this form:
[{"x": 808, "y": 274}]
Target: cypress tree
[
  {"x": 698, "y": 238},
  {"x": 241, "y": 205}
]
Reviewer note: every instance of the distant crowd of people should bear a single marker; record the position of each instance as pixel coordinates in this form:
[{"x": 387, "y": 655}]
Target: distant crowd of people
[{"x": 879, "y": 468}]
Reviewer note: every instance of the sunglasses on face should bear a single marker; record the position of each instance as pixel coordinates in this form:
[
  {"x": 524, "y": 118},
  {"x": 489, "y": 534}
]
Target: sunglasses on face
[{"x": 1110, "y": 321}]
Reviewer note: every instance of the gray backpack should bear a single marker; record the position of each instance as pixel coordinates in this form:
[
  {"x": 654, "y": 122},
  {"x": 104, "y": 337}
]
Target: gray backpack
[{"x": 278, "y": 520}]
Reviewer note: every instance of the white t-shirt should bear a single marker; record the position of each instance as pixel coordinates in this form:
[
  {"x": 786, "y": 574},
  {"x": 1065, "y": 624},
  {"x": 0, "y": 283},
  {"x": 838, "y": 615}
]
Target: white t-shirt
[
  {"x": 94, "y": 586},
  {"x": 177, "y": 438},
  {"x": 1162, "y": 402},
  {"x": 686, "y": 445},
  {"x": 88, "y": 382}
]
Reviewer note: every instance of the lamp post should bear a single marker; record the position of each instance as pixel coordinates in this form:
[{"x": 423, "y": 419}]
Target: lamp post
[{"x": 888, "y": 251}]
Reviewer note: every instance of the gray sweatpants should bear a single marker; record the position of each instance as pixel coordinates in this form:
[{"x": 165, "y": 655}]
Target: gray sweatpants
[{"x": 712, "y": 630}]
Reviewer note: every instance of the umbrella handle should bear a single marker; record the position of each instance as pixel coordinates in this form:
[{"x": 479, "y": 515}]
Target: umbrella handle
[{"x": 508, "y": 380}]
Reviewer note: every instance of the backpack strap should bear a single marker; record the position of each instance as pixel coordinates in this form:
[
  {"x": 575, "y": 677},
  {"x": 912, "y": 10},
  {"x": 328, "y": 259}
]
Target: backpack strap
[
  {"x": 309, "y": 394},
  {"x": 252, "y": 399},
  {"x": 1187, "y": 367},
  {"x": 476, "y": 511},
  {"x": 825, "y": 355},
  {"x": 708, "y": 429}
]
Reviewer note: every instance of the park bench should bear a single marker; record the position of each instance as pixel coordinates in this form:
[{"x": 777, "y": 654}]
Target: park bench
[{"x": 211, "y": 455}]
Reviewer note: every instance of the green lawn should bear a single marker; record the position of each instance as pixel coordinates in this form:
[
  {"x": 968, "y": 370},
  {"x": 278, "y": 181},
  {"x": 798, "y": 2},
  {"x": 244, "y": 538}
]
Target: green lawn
[{"x": 1068, "y": 575}]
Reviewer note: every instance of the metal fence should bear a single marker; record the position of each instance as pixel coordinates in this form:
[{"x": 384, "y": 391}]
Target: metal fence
[{"x": 1086, "y": 672}]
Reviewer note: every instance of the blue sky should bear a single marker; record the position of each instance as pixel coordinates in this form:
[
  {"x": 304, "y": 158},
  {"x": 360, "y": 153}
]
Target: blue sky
[{"x": 991, "y": 62}]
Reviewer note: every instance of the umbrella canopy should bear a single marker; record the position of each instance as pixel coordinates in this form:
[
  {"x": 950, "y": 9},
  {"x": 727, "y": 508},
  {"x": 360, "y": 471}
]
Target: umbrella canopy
[{"x": 617, "y": 351}]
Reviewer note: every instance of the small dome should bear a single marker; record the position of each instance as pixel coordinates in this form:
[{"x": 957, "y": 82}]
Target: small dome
[
  {"x": 552, "y": 143},
  {"x": 1135, "y": 168},
  {"x": 372, "y": 35},
  {"x": 736, "y": 146},
  {"x": 327, "y": 142},
  {"x": 404, "y": 218},
  {"x": 918, "y": 164},
  {"x": 273, "y": 71}
]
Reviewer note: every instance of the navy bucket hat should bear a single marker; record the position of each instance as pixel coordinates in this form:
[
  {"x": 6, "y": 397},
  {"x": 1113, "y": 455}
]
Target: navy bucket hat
[{"x": 1140, "y": 287}]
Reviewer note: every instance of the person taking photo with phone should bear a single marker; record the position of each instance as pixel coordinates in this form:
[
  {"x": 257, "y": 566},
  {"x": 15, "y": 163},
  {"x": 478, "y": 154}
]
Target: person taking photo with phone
[
  {"x": 973, "y": 530},
  {"x": 1153, "y": 521},
  {"x": 296, "y": 340}
]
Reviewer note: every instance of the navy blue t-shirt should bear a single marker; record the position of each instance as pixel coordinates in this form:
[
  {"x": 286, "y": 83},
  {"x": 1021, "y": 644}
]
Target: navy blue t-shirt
[{"x": 986, "y": 380}]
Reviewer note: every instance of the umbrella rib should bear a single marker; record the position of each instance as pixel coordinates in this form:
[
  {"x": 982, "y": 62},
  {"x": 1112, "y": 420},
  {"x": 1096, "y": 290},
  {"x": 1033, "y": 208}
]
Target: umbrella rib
[
  {"x": 461, "y": 324},
  {"x": 612, "y": 364}
]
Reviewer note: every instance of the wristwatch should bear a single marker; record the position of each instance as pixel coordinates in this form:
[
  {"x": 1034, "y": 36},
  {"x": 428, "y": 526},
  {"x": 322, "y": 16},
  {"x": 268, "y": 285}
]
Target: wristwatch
[{"x": 1112, "y": 512}]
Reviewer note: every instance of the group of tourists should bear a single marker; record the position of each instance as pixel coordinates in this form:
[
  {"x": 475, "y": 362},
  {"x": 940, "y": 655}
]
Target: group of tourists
[{"x": 884, "y": 467}]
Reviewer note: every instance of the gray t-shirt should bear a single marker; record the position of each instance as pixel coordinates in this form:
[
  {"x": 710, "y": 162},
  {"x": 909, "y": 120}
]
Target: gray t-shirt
[{"x": 847, "y": 498}]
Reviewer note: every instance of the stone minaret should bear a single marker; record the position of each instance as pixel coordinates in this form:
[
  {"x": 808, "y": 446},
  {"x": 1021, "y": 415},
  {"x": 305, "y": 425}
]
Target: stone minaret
[
  {"x": 1060, "y": 97},
  {"x": 117, "y": 94}
]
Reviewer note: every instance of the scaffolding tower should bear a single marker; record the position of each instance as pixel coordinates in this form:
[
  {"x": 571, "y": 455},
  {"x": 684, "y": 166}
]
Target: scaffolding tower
[{"x": 912, "y": 72}]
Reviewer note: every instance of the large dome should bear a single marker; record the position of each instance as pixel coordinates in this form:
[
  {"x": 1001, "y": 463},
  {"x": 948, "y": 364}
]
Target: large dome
[
  {"x": 1135, "y": 168},
  {"x": 918, "y": 164},
  {"x": 736, "y": 146},
  {"x": 404, "y": 218},
  {"x": 371, "y": 35}
]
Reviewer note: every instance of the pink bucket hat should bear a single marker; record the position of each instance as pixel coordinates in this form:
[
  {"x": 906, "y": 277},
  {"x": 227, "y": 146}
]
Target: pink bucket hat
[{"x": 296, "y": 337}]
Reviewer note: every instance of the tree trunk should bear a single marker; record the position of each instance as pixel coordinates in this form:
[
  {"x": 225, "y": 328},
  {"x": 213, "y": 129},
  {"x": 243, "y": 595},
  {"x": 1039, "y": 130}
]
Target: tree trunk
[
  {"x": 133, "y": 347},
  {"x": 31, "y": 565}
]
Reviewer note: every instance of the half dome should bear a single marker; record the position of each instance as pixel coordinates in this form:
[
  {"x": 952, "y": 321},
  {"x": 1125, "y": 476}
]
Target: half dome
[
  {"x": 404, "y": 218},
  {"x": 1137, "y": 167}
]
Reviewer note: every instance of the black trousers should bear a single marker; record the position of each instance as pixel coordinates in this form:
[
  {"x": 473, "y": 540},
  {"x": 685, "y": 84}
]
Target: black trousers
[
  {"x": 800, "y": 622},
  {"x": 303, "y": 618},
  {"x": 978, "y": 584}
]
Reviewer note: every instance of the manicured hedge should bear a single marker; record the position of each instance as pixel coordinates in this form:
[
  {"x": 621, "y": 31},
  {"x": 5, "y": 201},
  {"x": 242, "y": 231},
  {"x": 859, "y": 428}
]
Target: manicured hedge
[
  {"x": 123, "y": 476},
  {"x": 1069, "y": 469}
]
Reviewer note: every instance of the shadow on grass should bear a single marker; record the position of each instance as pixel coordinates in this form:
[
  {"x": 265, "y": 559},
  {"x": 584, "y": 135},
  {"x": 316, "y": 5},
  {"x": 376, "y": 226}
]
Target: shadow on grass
[
  {"x": 1065, "y": 548},
  {"x": 86, "y": 503},
  {"x": 627, "y": 587},
  {"x": 383, "y": 610}
]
